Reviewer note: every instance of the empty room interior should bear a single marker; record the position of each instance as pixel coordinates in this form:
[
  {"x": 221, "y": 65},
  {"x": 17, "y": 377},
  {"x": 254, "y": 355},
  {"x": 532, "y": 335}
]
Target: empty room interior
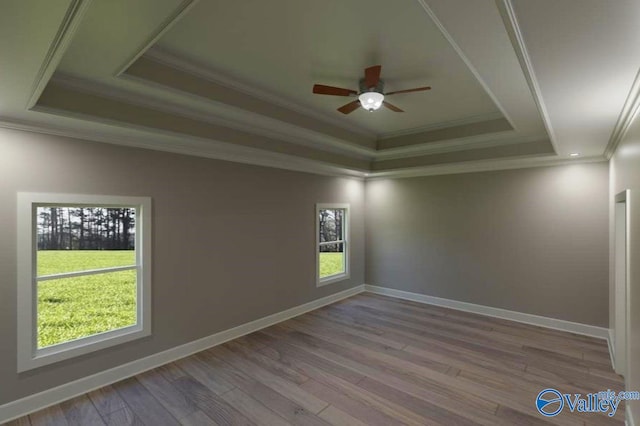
[{"x": 296, "y": 212}]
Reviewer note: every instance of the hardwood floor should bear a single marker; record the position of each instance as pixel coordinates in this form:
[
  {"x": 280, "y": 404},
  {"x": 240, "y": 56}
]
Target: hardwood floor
[{"x": 367, "y": 360}]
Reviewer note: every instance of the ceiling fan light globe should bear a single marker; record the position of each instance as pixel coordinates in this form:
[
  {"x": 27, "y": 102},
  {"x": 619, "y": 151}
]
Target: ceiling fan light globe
[{"x": 371, "y": 101}]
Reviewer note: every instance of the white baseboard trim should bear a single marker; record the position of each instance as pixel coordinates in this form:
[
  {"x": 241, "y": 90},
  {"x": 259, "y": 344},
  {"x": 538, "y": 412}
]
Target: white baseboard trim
[
  {"x": 29, "y": 404},
  {"x": 557, "y": 324}
]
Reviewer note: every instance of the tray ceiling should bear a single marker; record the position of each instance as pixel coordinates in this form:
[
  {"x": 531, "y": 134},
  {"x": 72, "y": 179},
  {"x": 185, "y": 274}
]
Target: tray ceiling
[{"x": 232, "y": 80}]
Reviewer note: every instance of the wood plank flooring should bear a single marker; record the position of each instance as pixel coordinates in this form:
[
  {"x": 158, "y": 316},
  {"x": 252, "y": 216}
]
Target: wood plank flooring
[{"x": 367, "y": 360}]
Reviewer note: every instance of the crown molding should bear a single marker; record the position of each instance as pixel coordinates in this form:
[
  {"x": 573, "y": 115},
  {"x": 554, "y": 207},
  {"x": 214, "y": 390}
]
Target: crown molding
[
  {"x": 505, "y": 7},
  {"x": 466, "y": 60},
  {"x": 175, "y": 61},
  {"x": 234, "y": 118},
  {"x": 183, "y": 64},
  {"x": 74, "y": 14},
  {"x": 483, "y": 166},
  {"x": 177, "y": 138},
  {"x": 264, "y": 126},
  {"x": 625, "y": 119},
  {"x": 442, "y": 125},
  {"x": 248, "y": 121},
  {"x": 187, "y": 145},
  {"x": 459, "y": 144},
  {"x": 177, "y": 14},
  {"x": 180, "y": 144}
]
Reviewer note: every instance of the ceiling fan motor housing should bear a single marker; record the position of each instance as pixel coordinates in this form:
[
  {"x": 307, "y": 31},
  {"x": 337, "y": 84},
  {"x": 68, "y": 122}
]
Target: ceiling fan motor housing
[{"x": 363, "y": 87}]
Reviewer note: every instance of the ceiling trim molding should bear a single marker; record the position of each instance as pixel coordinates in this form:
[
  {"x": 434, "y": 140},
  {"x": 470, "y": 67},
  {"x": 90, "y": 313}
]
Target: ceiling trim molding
[
  {"x": 192, "y": 146},
  {"x": 625, "y": 119},
  {"x": 242, "y": 119},
  {"x": 180, "y": 63},
  {"x": 264, "y": 126},
  {"x": 459, "y": 144},
  {"x": 165, "y": 26},
  {"x": 466, "y": 60},
  {"x": 260, "y": 125},
  {"x": 483, "y": 166},
  {"x": 177, "y": 136},
  {"x": 207, "y": 148},
  {"x": 70, "y": 23},
  {"x": 442, "y": 125},
  {"x": 505, "y": 7}
]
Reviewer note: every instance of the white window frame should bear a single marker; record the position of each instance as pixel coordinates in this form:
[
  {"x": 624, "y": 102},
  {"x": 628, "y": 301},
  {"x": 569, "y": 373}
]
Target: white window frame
[
  {"x": 29, "y": 356},
  {"x": 347, "y": 251}
]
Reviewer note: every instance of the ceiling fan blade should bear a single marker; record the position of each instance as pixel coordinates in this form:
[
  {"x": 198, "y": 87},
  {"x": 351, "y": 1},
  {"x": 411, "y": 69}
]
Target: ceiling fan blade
[
  {"x": 350, "y": 107},
  {"x": 372, "y": 76},
  {"x": 392, "y": 107},
  {"x": 321, "y": 89},
  {"x": 417, "y": 89}
]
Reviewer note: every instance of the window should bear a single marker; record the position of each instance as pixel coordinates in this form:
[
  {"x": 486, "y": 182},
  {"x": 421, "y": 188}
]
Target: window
[
  {"x": 332, "y": 243},
  {"x": 84, "y": 274}
]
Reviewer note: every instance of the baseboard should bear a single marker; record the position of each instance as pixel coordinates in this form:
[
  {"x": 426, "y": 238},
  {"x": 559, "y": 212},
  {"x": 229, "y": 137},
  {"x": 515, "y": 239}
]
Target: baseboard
[
  {"x": 557, "y": 324},
  {"x": 29, "y": 404}
]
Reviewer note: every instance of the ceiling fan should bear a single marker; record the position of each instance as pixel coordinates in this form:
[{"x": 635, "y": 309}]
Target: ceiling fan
[{"x": 371, "y": 94}]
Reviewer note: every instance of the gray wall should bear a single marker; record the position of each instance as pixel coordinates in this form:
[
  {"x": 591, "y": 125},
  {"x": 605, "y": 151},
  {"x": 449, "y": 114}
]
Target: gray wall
[
  {"x": 231, "y": 243},
  {"x": 625, "y": 174},
  {"x": 529, "y": 240}
]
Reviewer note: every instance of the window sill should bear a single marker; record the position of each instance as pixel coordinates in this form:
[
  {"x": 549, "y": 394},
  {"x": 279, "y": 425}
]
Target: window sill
[
  {"x": 74, "y": 348},
  {"x": 331, "y": 279}
]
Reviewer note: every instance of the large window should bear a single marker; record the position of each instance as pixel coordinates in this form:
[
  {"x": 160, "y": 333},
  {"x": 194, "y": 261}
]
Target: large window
[
  {"x": 332, "y": 244},
  {"x": 83, "y": 274}
]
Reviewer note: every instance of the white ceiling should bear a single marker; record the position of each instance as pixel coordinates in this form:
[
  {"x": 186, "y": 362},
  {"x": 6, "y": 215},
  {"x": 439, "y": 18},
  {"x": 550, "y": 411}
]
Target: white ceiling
[
  {"x": 26, "y": 31},
  {"x": 558, "y": 70},
  {"x": 585, "y": 57}
]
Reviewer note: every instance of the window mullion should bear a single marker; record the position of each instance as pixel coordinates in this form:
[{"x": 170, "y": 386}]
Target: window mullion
[
  {"x": 325, "y": 243},
  {"x": 85, "y": 273}
]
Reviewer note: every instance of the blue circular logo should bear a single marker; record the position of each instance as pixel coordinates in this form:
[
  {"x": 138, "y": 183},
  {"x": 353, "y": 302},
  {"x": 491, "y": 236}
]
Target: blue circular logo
[{"x": 549, "y": 402}]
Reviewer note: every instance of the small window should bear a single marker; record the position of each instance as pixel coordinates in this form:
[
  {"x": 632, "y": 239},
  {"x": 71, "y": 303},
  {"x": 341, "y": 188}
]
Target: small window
[
  {"x": 332, "y": 243},
  {"x": 83, "y": 274}
]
